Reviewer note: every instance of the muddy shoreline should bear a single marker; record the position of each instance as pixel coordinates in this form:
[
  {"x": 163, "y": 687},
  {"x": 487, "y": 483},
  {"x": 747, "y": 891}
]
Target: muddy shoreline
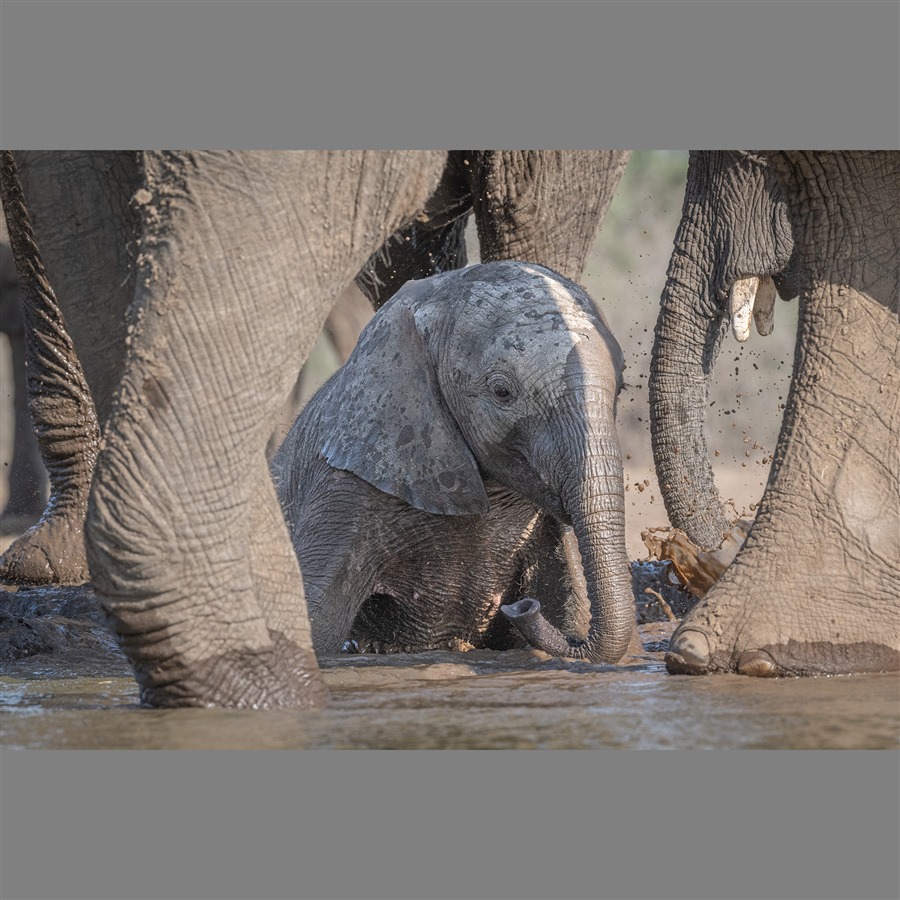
[
  {"x": 62, "y": 629},
  {"x": 64, "y": 684}
]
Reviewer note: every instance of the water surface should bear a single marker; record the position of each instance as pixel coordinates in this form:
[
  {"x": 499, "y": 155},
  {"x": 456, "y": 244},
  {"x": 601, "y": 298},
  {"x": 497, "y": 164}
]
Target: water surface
[{"x": 480, "y": 699}]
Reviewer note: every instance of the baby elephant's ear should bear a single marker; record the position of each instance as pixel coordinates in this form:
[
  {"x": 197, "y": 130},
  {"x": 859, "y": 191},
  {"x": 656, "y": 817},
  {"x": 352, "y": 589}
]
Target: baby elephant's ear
[{"x": 387, "y": 421}]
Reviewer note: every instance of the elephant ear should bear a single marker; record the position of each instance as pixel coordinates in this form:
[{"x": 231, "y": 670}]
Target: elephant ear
[{"x": 386, "y": 419}]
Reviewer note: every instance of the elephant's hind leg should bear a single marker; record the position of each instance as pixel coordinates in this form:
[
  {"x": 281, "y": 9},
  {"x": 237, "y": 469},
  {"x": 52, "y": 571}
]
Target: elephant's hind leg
[{"x": 52, "y": 551}]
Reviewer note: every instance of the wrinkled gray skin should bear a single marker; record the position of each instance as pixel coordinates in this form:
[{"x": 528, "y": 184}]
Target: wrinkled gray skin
[
  {"x": 178, "y": 294},
  {"x": 433, "y": 477},
  {"x": 816, "y": 587},
  {"x": 27, "y": 476}
]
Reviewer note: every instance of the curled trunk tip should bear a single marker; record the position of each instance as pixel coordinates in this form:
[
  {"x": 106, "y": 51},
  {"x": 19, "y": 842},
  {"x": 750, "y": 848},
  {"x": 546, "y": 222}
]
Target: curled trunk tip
[{"x": 526, "y": 616}]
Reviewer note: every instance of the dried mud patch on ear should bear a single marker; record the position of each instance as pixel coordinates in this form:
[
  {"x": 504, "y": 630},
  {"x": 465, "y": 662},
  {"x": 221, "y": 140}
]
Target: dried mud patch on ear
[
  {"x": 406, "y": 435},
  {"x": 383, "y": 416},
  {"x": 376, "y": 341}
]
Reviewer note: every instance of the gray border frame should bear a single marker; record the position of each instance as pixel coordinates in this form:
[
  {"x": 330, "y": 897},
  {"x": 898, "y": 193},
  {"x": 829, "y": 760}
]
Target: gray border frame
[
  {"x": 478, "y": 824},
  {"x": 275, "y": 74}
]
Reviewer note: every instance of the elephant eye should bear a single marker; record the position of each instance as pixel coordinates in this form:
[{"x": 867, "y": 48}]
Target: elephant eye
[{"x": 501, "y": 388}]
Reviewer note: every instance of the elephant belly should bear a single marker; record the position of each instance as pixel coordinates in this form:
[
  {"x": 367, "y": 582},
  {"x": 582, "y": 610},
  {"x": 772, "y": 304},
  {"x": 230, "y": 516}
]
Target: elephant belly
[
  {"x": 446, "y": 591},
  {"x": 409, "y": 615}
]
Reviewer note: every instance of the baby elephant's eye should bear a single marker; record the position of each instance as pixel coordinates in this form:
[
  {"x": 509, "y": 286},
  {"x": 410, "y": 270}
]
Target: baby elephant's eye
[{"x": 501, "y": 387}]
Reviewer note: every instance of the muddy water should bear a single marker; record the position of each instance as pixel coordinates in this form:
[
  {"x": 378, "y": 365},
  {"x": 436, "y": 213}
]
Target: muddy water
[{"x": 480, "y": 699}]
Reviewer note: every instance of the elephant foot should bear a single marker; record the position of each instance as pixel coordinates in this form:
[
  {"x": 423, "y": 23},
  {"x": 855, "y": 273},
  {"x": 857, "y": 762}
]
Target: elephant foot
[
  {"x": 814, "y": 590},
  {"x": 777, "y": 634},
  {"x": 281, "y": 676},
  {"x": 690, "y": 654},
  {"x": 50, "y": 552}
]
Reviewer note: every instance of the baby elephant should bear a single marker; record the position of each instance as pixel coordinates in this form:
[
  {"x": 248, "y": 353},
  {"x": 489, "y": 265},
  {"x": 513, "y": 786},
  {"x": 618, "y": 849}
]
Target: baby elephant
[{"x": 448, "y": 469}]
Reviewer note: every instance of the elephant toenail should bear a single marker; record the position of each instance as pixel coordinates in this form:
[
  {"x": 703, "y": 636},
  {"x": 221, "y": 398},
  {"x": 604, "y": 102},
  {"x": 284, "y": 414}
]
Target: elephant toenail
[
  {"x": 688, "y": 654},
  {"x": 757, "y": 663}
]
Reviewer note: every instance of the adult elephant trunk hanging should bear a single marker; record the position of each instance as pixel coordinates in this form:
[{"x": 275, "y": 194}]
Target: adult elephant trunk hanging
[
  {"x": 727, "y": 258},
  {"x": 686, "y": 345}
]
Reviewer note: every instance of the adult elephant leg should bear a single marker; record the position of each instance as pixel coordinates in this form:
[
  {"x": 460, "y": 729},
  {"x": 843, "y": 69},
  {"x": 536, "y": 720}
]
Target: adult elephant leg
[
  {"x": 88, "y": 266},
  {"x": 27, "y": 474},
  {"x": 814, "y": 590},
  {"x": 432, "y": 243},
  {"x": 418, "y": 250},
  {"x": 531, "y": 205},
  {"x": 541, "y": 206},
  {"x": 186, "y": 542}
]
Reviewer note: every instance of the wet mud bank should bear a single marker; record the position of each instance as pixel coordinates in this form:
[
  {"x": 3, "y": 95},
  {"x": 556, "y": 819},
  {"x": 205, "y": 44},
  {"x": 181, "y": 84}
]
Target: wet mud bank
[{"x": 63, "y": 628}]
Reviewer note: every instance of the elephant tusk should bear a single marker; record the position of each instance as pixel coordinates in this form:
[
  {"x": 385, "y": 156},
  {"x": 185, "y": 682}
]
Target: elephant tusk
[
  {"x": 740, "y": 306},
  {"x": 764, "y": 308}
]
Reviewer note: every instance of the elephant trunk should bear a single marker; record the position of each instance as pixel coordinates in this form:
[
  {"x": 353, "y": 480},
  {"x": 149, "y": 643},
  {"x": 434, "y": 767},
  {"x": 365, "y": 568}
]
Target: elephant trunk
[
  {"x": 595, "y": 502},
  {"x": 689, "y": 333}
]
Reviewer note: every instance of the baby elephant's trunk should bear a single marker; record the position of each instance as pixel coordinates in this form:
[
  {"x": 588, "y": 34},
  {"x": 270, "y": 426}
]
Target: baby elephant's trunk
[{"x": 596, "y": 505}]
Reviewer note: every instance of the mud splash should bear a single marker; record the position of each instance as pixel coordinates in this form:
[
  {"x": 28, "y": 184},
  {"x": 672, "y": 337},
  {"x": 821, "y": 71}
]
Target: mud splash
[{"x": 694, "y": 569}]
